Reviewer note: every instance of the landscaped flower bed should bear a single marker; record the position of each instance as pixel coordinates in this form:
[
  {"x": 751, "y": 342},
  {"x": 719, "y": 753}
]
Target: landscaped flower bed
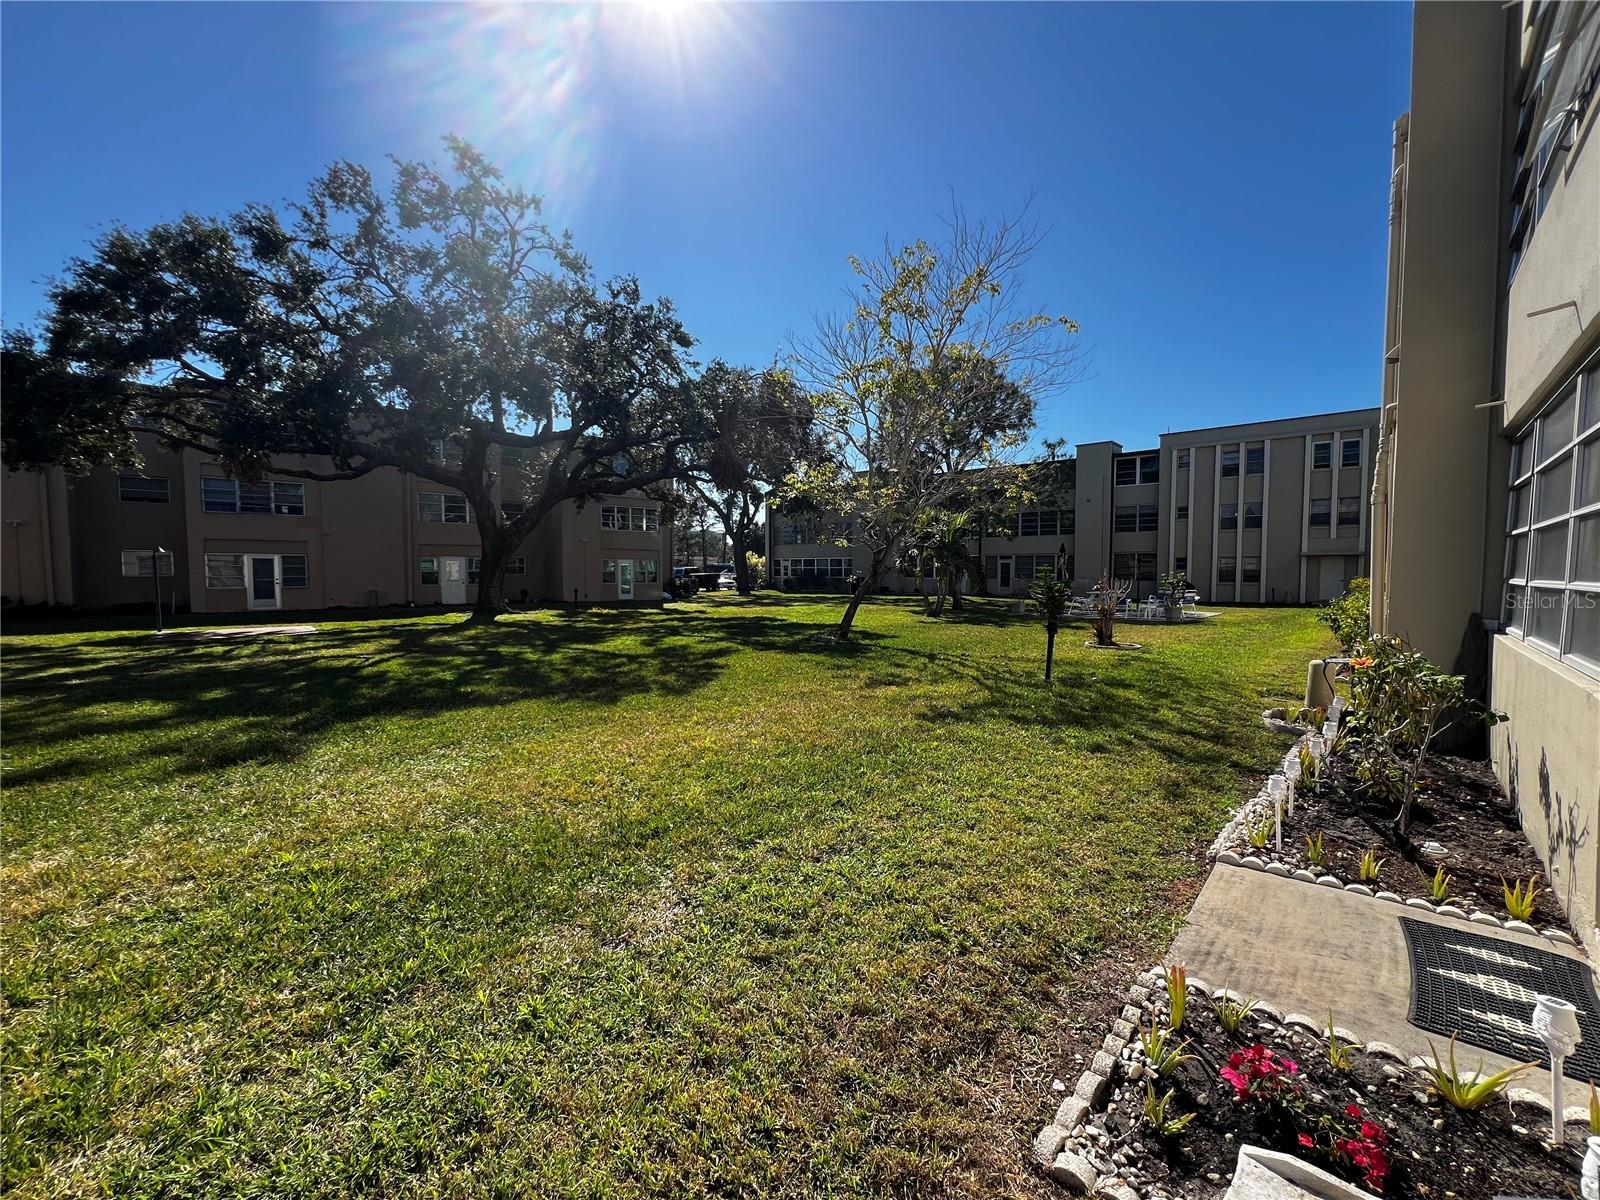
[
  {"x": 1459, "y": 806},
  {"x": 1361, "y": 1115}
]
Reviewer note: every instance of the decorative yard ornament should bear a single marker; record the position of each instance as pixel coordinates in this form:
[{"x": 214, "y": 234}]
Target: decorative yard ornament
[
  {"x": 1277, "y": 789},
  {"x": 1556, "y": 1022},
  {"x": 1591, "y": 1171}
]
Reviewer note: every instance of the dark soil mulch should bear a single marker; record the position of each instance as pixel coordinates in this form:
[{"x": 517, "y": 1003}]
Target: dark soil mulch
[
  {"x": 1459, "y": 805},
  {"x": 1434, "y": 1150}
]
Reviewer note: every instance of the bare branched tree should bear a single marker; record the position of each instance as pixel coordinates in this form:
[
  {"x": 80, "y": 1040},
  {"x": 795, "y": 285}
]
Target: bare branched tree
[{"x": 934, "y": 370}]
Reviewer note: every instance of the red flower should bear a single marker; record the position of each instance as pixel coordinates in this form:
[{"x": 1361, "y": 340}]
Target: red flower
[
  {"x": 1307, "y": 1140},
  {"x": 1350, "y": 1110}
]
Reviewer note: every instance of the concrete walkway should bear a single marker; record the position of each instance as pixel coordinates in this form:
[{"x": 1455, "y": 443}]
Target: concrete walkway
[
  {"x": 217, "y": 633},
  {"x": 1308, "y": 949}
]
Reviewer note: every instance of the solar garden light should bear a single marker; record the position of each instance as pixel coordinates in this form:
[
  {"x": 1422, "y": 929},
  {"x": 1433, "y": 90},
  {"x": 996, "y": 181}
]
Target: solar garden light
[
  {"x": 1277, "y": 785},
  {"x": 1291, "y": 776},
  {"x": 1556, "y": 1023}
]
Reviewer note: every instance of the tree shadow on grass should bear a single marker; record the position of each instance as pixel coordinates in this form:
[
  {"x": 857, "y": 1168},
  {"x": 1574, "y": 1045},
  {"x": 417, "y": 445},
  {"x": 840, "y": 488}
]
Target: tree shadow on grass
[{"x": 270, "y": 699}]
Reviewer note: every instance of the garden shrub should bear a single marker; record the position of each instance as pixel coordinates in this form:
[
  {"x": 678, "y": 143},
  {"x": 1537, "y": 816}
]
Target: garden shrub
[{"x": 1350, "y": 615}]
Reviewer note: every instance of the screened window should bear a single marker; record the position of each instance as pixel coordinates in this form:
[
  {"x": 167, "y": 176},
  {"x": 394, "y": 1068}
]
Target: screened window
[
  {"x": 1255, "y": 460},
  {"x": 1322, "y": 454},
  {"x": 474, "y": 569},
  {"x": 1553, "y": 528},
  {"x": 1227, "y": 515},
  {"x": 1126, "y": 518},
  {"x": 1320, "y": 512},
  {"x": 1349, "y": 510},
  {"x": 1183, "y": 460},
  {"x": 429, "y": 570},
  {"x": 436, "y": 508},
  {"x": 296, "y": 570},
  {"x": 1044, "y": 522},
  {"x": 649, "y": 570},
  {"x": 265, "y": 496},
  {"x": 1127, "y": 471},
  {"x": 1250, "y": 570},
  {"x": 1225, "y": 568},
  {"x": 224, "y": 570},
  {"x": 1252, "y": 514},
  {"x": 1149, "y": 518},
  {"x": 1180, "y": 564},
  {"x": 140, "y": 489},
  {"x": 1181, "y": 512},
  {"x": 1133, "y": 566},
  {"x": 619, "y": 516},
  {"x": 1350, "y": 452},
  {"x": 136, "y": 563},
  {"x": 608, "y": 570},
  {"x": 1230, "y": 462}
]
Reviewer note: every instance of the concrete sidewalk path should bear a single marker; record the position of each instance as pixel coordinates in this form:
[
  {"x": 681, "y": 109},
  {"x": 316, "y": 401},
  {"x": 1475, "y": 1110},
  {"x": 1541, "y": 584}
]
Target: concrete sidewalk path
[{"x": 1307, "y": 949}]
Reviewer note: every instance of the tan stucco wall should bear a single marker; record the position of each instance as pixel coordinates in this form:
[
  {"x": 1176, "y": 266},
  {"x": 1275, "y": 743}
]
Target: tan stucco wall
[
  {"x": 1547, "y": 756},
  {"x": 35, "y": 538}
]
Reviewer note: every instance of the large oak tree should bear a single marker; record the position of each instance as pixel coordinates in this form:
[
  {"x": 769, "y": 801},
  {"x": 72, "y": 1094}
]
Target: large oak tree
[{"x": 366, "y": 327}]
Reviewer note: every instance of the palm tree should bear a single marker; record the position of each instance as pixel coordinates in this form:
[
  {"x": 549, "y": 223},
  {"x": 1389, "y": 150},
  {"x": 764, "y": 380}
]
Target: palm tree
[
  {"x": 1049, "y": 597},
  {"x": 953, "y": 561}
]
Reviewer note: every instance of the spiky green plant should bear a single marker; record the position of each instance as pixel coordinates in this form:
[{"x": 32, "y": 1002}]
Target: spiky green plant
[
  {"x": 1594, "y": 1112},
  {"x": 1340, "y": 1052},
  {"x": 1315, "y": 852},
  {"x": 1230, "y": 1012},
  {"x": 1468, "y": 1092},
  {"x": 1155, "y": 1113},
  {"x": 1439, "y": 886},
  {"x": 1369, "y": 867},
  {"x": 1177, "y": 995},
  {"x": 1258, "y": 833},
  {"x": 1521, "y": 897},
  {"x": 1165, "y": 1052}
]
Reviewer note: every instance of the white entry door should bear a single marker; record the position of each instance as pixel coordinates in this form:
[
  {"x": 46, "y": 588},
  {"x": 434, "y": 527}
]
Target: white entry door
[
  {"x": 265, "y": 581},
  {"x": 453, "y": 580},
  {"x": 1005, "y": 577},
  {"x": 625, "y": 579}
]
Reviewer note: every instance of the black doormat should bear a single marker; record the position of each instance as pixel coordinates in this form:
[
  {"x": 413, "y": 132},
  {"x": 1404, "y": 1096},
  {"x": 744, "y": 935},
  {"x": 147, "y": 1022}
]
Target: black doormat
[{"x": 1482, "y": 989}]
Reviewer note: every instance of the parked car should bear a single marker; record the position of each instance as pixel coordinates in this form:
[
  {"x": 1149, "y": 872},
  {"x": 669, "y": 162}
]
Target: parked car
[{"x": 727, "y": 579}]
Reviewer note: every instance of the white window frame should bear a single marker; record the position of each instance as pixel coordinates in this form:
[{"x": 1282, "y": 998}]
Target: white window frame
[
  {"x": 281, "y": 498},
  {"x": 516, "y": 565},
  {"x": 136, "y": 562},
  {"x": 217, "y": 576},
  {"x": 128, "y": 477},
  {"x": 427, "y": 565},
  {"x": 1322, "y": 448},
  {"x": 1535, "y": 454},
  {"x": 283, "y": 571}
]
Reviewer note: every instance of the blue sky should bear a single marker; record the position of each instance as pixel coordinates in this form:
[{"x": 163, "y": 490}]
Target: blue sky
[{"x": 1215, "y": 177}]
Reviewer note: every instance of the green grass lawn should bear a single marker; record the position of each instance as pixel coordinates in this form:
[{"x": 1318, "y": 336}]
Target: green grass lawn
[{"x": 629, "y": 903}]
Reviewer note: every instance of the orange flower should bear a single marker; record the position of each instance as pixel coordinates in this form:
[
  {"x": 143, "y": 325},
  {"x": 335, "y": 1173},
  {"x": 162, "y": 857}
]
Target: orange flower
[{"x": 1364, "y": 661}]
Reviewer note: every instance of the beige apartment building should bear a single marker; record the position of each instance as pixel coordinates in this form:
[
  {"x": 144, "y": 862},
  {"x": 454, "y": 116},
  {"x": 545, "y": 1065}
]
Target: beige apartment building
[
  {"x": 1486, "y": 511},
  {"x": 1271, "y": 512},
  {"x": 282, "y": 544}
]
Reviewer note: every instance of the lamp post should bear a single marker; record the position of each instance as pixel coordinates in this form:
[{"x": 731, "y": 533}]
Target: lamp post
[
  {"x": 155, "y": 573},
  {"x": 1556, "y": 1022}
]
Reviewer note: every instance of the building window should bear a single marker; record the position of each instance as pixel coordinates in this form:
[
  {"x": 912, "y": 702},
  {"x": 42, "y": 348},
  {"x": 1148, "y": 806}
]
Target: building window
[
  {"x": 1180, "y": 564},
  {"x": 1137, "y": 468},
  {"x": 219, "y": 495},
  {"x": 1349, "y": 510},
  {"x": 1318, "y": 518},
  {"x": 474, "y": 566},
  {"x": 516, "y": 565},
  {"x": 1126, "y": 519},
  {"x": 617, "y": 516},
  {"x": 435, "y": 508},
  {"x": 510, "y": 456},
  {"x": 1553, "y": 528},
  {"x": 295, "y": 570},
  {"x": 1350, "y": 452},
  {"x": 1252, "y": 514},
  {"x": 1255, "y": 460},
  {"x": 1149, "y": 518},
  {"x": 1043, "y": 523},
  {"x": 1230, "y": 463},
  {"x": 430, "y": 571},
  {"x": 1181, "y": 513},
  {"x": 649, "y": 570},
  {"x": 608, "y": 570},
  {"x": 1227, "y": 515},
  {"x": 513, "y": 510},
  {"x": 142, "y": 489},
  {"x": 1183, "y": 460},
  {"x": 1225, "y": 569},
  {"x": 1133, "y": 566},
  {"x": 224, "y": 570},
  {"x": 1250, "y": 570},
  {"x": 136, "y": 564},
  {"x": 1321, "y": 454}
]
